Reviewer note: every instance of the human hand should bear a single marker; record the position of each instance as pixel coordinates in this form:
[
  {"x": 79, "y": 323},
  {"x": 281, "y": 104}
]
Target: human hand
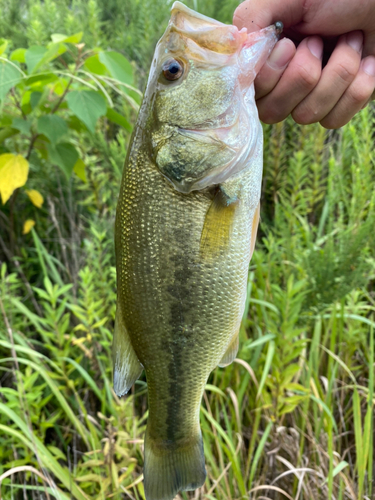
[{"x": 336, "y": 34}]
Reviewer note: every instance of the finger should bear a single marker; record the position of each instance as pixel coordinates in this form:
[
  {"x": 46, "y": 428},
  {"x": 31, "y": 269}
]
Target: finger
[
  {"x": 355, "y": 97},
  {"x": 338, "y": 74},
  {"x": 297, "y": 81},
  {"x": 274, "y": 67},
  {"x": 307, "y": 18},
  {"x": 254, "y": 15}
]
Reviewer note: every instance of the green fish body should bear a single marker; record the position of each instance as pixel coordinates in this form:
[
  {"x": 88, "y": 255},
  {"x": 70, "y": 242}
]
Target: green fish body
[{"x": 185, "y": 230}]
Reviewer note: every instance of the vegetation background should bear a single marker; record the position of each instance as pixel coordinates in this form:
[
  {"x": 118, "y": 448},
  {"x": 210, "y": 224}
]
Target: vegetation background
[{"x": 292, "y": 417}]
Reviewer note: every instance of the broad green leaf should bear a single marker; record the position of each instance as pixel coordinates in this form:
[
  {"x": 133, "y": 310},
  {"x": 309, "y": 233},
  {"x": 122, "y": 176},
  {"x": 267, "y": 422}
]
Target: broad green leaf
[
  {"x": 64, "y": 155},
  {"x": 6, "y": 121},
  {"x": 33, "y": 56},
  {"x": 3, "y": 45},
  {"x": 35, "y": 197},
  {"x": 79, "y": 170},
  {"x": 60, "y": 86},
  {"x": 41, "y": 79},
  {"x": 38, "y": 56},
  {"x": 58, "y": 37},
  {"x": 35, "y": 98},
  {"x": 115, "y": 117},
  {"x": 18, "y": 55},
  {"x": 13, "y": 174},
  {"x": 28, "y": 225},
  {"x": 25, "y": 99},
  {"x": 118, "y": 66},
  {"x": 88, "y": 106},
  {"x": 9, "y": 77},
  {"x": 52, "y": 126},
  {"x": 53, "y": 52},
  {"x": 93, "y": 65},
  {"x": 21, "y": 125},
  {"x": 7, "y": 132}
]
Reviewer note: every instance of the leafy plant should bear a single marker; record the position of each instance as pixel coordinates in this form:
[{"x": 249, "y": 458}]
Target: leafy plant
[{"x": 49, "y": 95}]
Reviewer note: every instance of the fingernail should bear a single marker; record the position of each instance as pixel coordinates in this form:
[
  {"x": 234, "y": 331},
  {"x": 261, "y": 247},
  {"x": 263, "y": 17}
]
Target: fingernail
[
  {"x": 355, "y": 40},
  {"x": 281, "y": 54},
  {"x": 315, "y": 46},
  {"x": 368, "y": 65}
]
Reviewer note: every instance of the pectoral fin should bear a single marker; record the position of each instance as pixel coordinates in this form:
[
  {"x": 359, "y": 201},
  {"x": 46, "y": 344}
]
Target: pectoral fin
[
  {"x": 217, "y": 228},
  {"x": 230, "y": 353},
  {"x": 126, "y": 366}
]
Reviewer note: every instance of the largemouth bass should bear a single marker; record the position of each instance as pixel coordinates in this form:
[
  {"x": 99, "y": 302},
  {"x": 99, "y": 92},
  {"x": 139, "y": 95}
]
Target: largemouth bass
[{"x": 186, "y": 223}]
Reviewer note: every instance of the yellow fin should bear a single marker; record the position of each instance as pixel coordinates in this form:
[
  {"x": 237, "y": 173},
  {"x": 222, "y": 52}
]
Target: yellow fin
[
  {"x": 254, "y": 229},
  {"x": 230, "y": 353},
  {"x": 126, "y": 366},
  {"x": 217, "y": 228}
]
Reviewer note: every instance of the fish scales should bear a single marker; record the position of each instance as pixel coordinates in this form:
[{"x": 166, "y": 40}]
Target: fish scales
[{"x": 184, "y": 235}]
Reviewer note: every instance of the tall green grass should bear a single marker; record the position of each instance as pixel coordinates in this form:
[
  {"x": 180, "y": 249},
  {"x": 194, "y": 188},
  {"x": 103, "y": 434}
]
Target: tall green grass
[{"x": 292, "y": 417}]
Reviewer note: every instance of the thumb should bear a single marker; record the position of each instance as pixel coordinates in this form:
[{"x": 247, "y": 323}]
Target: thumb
[{"x": 255, "y": 15}]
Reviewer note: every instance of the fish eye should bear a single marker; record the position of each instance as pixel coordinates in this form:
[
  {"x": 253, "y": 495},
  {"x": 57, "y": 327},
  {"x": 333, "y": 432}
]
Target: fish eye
[{"x": 173, "y": 69}]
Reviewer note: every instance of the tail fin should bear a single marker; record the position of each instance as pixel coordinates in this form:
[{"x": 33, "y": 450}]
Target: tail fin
[{"x": 168, "y": 471}]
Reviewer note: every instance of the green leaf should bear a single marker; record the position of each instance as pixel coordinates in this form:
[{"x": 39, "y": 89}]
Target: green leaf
[
  {"x": 9, "y": 77},
  {"x": 79, "y": 170},
  {"x": 33, "y": 56},
  {"x": 64, "y": 155},
  {"x": 88, "y": 106},
  {"x": 52, "y": 126},
  {"x": 3, "y": 45},
  {"x": 267, "y": 366},
  {"x": 21, "y": 125},
  {"x": 58, "y": 37},
  {"x": 41, "y": 79},
  {"x": 76, "y": 38},
  {"x": 35, "y": 98},
  {"x": 93, "y": 65},
  {"x": 18, "y": 55},
  {"x": 115, "y": 117},
  {"x": 37, "y": 56},
  {"x": 118, "y": 66}
]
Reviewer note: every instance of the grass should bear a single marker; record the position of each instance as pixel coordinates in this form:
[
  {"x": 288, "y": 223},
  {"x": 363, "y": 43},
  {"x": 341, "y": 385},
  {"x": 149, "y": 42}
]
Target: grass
[{"x": 292, "y": 417}]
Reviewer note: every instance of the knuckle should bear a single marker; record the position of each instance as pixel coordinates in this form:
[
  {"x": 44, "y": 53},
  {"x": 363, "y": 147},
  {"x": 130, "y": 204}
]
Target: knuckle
[
  {"x": 345, "y": 72},
  {"x": 359, "y": 94},
  {"x": 308, "y": 75}
]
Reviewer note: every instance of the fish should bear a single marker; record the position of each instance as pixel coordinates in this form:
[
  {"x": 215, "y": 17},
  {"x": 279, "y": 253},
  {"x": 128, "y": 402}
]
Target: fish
[{"x": 185, "y": 231}]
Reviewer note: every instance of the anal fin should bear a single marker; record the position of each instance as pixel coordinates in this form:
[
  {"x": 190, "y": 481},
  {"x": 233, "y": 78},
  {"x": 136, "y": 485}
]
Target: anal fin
[
  {"x": 126, "y": 366},
  {"x": 230, "y": 353}
]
